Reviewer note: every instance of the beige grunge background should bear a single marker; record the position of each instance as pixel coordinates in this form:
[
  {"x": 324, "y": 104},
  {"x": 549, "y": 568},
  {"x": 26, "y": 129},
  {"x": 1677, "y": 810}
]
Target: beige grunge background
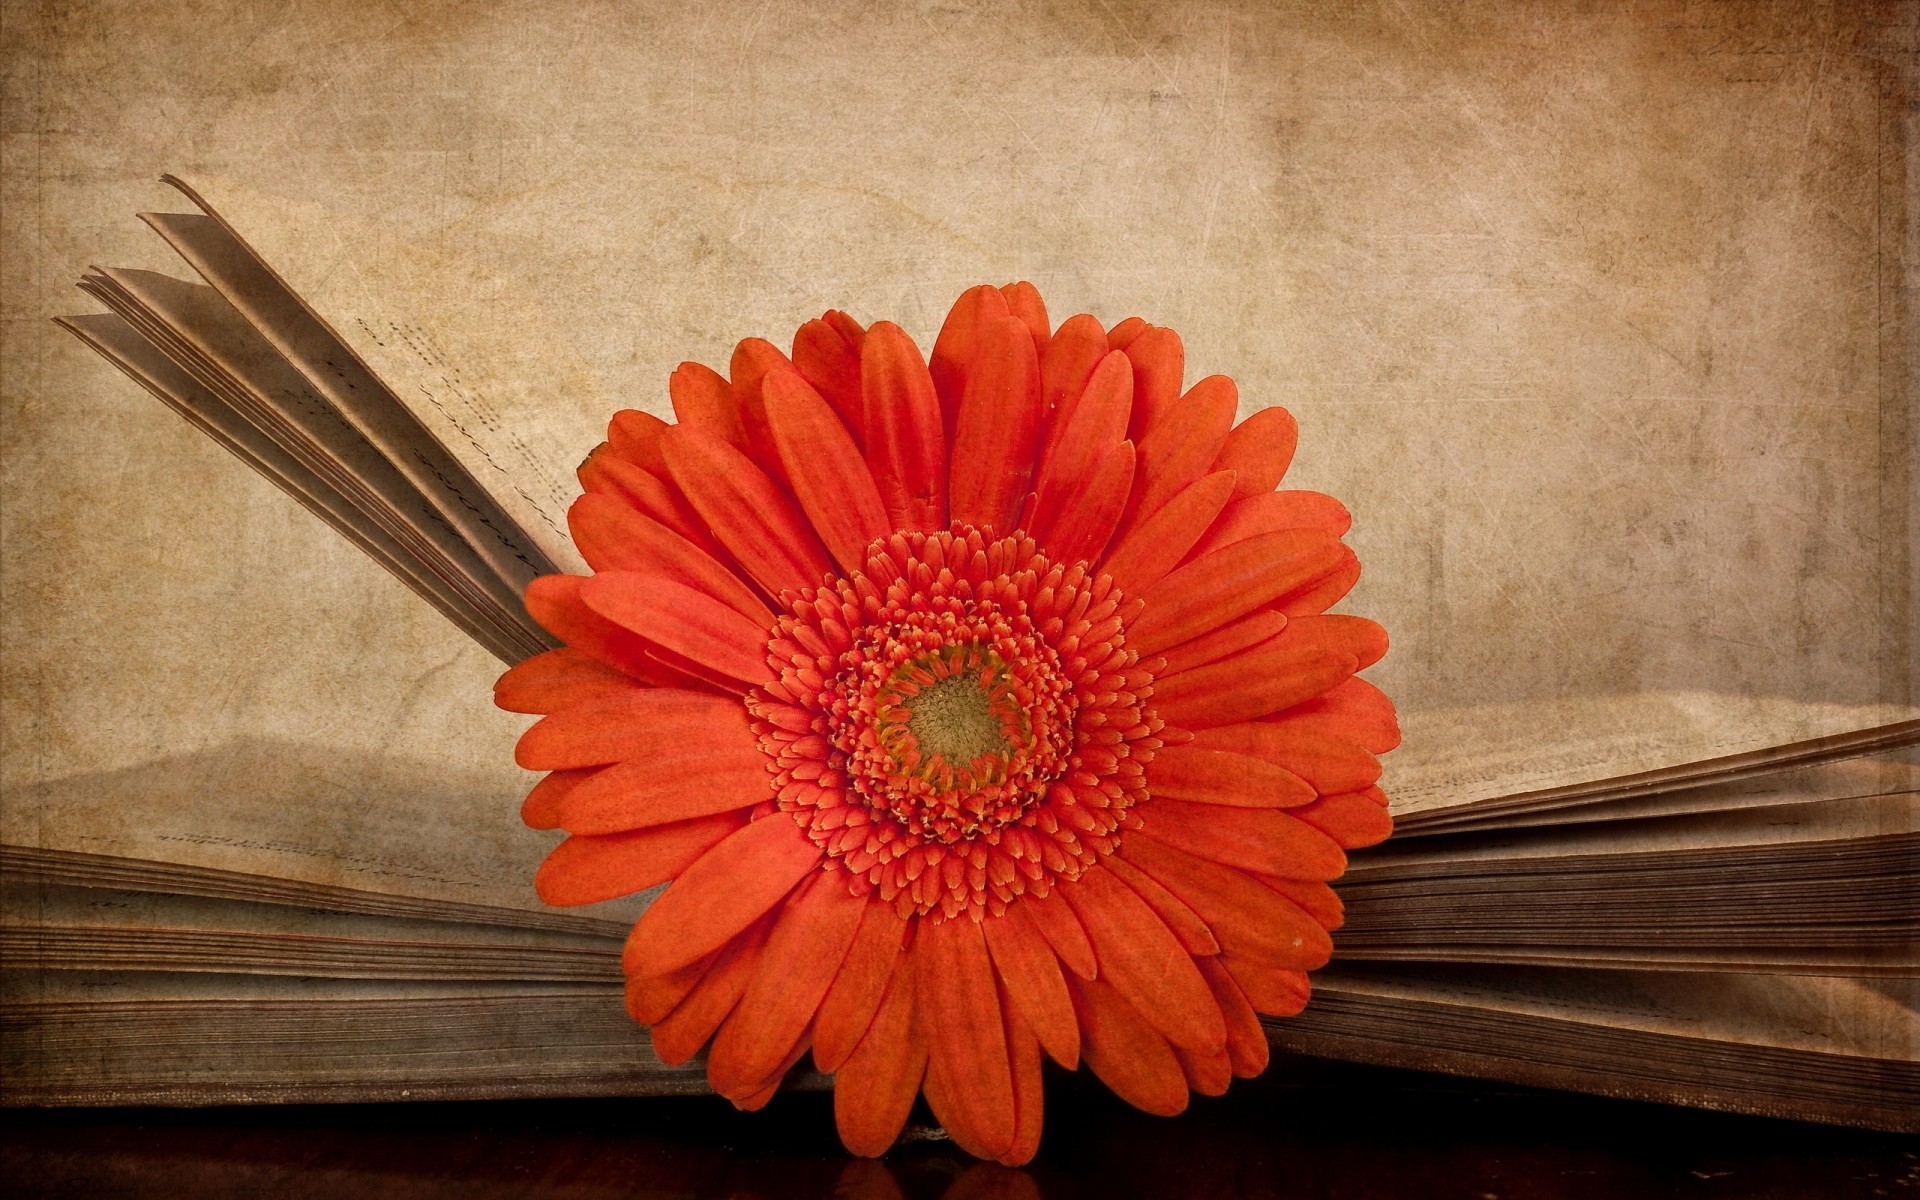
[{"x": 1594, "y": 315}]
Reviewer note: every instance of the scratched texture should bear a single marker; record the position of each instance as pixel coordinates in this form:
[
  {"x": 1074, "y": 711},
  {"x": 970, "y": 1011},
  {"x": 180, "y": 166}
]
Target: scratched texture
[{"x": 1595, "y": 314}]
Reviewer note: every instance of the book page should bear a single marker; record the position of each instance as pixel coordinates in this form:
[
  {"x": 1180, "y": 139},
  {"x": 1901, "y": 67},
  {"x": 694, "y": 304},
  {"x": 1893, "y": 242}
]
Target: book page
[
  {"x": 1849, "y": 962},
  {"x": 205, "y": 337},
  {"x": 1818, "y": 1014},
  {"x": 117, "y": 341},
  {"x": 203, "y": 1040},
  {"x": 1836, "y": 820},
  {"x": 1896, "y": 771},
  {"x": 453, "y": 342},
  {"x": 356, "y": 393},
  {"x": 36, "y": 905},
  {"x": 1455, "y": 759},
  {"x": 379, "y": 822}
]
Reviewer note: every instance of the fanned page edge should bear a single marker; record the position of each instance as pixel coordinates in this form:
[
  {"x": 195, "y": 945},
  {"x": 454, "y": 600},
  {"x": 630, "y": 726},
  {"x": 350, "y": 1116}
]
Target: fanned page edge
[
  {"x": 517, "y": 550},
  {"x": 237, "y": 436},
  {"x": 1326, "y": 1033},
  {"x": 35, "y": 864},
  {"x": 543, "y": 532},
  {"x": 381, "y": 536},
  {"x": 1502, "y": 811}
]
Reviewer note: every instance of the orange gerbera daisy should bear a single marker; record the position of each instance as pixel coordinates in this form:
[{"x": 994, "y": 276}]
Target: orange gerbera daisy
[{"x": 975, "y": 709}]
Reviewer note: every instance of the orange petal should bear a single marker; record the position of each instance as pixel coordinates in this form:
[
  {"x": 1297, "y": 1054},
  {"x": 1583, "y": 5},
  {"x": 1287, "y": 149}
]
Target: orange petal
[
  {"x": 1159, "y": 362},
  {"x": 554, "y": 601},
  {"x": 827, "y": 360},
  {"x": 1024, "y": 302},
  {"x": 1206, "y": 1074},
  {"x": 678, "y": 671},
  {"x": 1218, "y": 776},
  {"x": 905, "y": 444},
  {"x": 1127, "y": 1052},
  {"x": 702, "y": 400},
  {"x": 958, "y": 1007},
  {"x": 1365, "y": 640},
  {"x": 646, "y": 493},
  {"x": 1246, "y": 686},
  {"x": 1185, "y": 924},
  {"x": 1078, "y": 346},
  {"x": 951, "y": 1112},
  {"x": 1247, "y": 1048},
  {"x": 956, "y": 350},
  {"x": 1329, "y": 763},
  {"x": 874, "y": 1090},
  {"x": 1029, "y": 1092},
  {"x": 541, "y": 808},
  {"x": 719, "y": 895},
  {"x": 1353, "y": 709},
  {"x": 1246, "y": 916},
  {"x": 632, "y": 725},
  {"x": 854, "y": 997},
  {"x": 559, "y": 678},
  {"x": 1079, "y": 530},
  {"x": 1143, "y": 961},
  {"x": 1324, "y": 592},
  {"x": 679, "y": 1035},
  {"x": 681, "y": 671},
  {"x": 1031, "y": 974},
  {"x": 651, "y": 997},
  {"x": 683, "y": 620},
  {"x": 589, "y": 869},
  {"x": 1251, "y": 631},
  {"x": 1209, "y": 776},
  {"x": 1122, "y": 335},
  {"x": 1096, "y": 424},
  {"x": 1256, "y": 839},
  {"x": 753, "y": 360},
  {"x": 1354, "y": 819},
  {"x": 746, "y": 512},
  {"x": 828, "y": 474},
  {"x": 1053, "y": 920},
  {"x": 1271, "y": 512},
  {"x": 1215, "y": 588},
  {"x": 635, "y": 436},
  {"x": 849, "y": 328},
  {"x": 809, "y": 941},
  {"x": 1317, "y": 900},
  {"x": 1148, "y": 550},
  {"x": 678, "y": 782},
  {"x": 612, "y": 536},
  {"x": 756, "y": 1099},
  {"x": 1273, "y": 990},
  {"x": 990, "y": 468},
  {"x": 1178, "y": 451},
  {"x": 1259, "y": 451}
]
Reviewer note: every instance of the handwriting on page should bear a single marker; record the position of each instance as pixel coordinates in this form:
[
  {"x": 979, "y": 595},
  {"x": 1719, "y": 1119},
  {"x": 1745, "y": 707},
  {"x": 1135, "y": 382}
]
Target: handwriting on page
[
  {"x": 460, "y": 401},
  {"x": 459, "y": 414}
]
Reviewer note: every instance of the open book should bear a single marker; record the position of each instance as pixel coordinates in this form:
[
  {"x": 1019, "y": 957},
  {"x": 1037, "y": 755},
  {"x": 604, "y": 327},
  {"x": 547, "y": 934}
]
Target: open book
[{"x": 1687, "y": 896}]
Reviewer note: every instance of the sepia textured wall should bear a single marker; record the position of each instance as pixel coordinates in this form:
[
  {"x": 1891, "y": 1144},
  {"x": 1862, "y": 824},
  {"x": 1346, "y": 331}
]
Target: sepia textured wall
[{"x": 1595, "y": 315}]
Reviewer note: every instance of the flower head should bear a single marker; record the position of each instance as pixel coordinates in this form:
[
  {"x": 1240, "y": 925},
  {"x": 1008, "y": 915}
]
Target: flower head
[{"x": 975, "y": 710}]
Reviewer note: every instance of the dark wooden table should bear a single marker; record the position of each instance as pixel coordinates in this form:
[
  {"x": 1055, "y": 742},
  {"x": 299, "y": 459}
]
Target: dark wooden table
[{"x": 1307, "y": 1130}]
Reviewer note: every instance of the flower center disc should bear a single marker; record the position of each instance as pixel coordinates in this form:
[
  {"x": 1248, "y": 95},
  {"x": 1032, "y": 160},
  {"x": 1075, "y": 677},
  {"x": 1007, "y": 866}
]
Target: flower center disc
[
  {"x": 959, "y": 722},
  {"x": 954, "y": 723}
]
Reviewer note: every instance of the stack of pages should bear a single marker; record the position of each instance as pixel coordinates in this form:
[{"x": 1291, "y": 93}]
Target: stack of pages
[{"x": 1685, "y": 897}]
